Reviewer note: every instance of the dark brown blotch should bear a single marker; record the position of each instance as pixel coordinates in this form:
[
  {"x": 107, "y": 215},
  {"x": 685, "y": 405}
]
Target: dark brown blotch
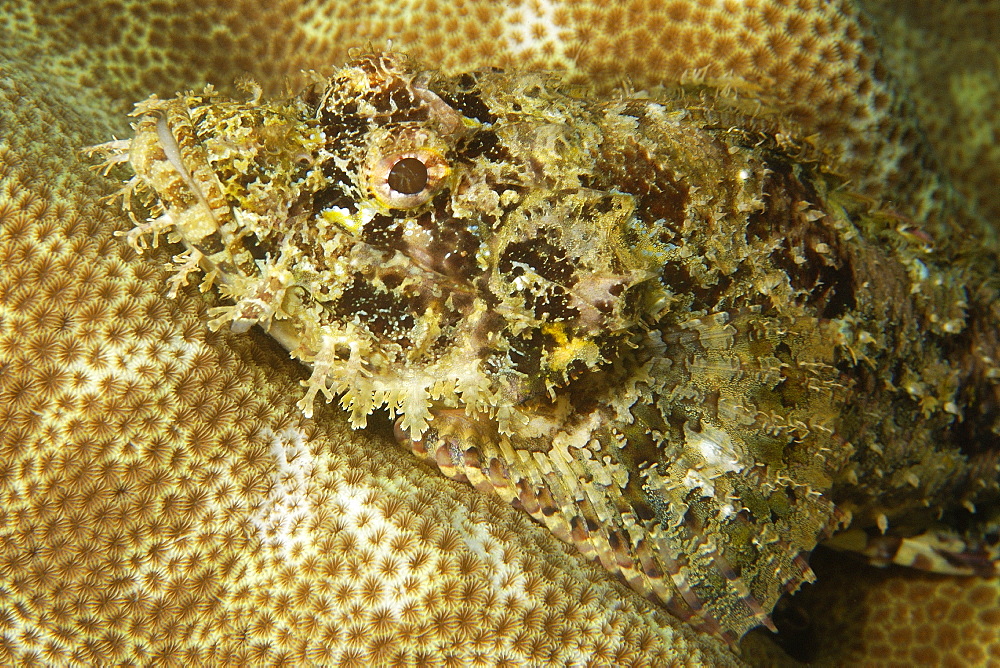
[
  {"x": 485, "y": 144},
  {"x": 384, "y": 313},
  {"x": 454, "y": 244},
  {"x": 255, "y": 247},
  {"x": 547, "y": 260},
  {"x": 471, "y": 104},
  {"x": 661, "y": 198},
  {"x": 676, "y": 277},
  {"x": 552, "y": 305},
  {"x": 826, "y": 279},
  {"x": 342, "y": 124},
  {"x": 383, "y": 231},
  {"x": 333, "y": 196}
]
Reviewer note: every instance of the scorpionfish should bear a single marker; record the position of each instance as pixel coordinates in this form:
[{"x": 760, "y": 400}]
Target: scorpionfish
[{"x": 654, "y": 322}]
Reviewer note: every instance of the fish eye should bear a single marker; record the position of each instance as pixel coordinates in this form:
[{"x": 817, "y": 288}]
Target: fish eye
[
  {"x": 407, "y": 179},
  {"x": 408, "y": 176}
]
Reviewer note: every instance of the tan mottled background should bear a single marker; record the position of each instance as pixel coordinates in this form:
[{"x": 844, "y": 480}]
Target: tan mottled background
[{"x": 162, "y": 502}]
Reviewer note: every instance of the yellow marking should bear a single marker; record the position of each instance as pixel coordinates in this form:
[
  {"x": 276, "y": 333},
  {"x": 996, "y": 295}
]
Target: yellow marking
[
  {"x": 568, "y": 349},
  {"x": 341, "y": 218}
]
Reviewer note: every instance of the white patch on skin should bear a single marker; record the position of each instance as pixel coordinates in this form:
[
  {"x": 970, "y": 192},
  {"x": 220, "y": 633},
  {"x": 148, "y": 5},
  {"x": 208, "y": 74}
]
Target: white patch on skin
[
  {"x": 715, "y": 448},
  {"x": 710, "y": 454},
  {"x": 695, "y": 480}
]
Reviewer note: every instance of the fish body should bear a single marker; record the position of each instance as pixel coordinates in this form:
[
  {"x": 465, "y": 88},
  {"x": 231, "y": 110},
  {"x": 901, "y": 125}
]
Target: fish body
[{"x": 659, "y": 327}]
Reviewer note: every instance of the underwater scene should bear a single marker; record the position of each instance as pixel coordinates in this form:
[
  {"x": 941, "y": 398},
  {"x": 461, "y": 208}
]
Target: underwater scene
[{"x": 535, "y": 333}]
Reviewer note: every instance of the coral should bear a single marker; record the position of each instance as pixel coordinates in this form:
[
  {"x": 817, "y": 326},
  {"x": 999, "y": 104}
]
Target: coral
[
  {"x": 859, "y": 615},
  {"x": 945, "y": 53}
]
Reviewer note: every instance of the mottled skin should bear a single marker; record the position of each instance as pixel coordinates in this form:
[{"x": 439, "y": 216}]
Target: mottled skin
[{"x": 667, "y": 335}]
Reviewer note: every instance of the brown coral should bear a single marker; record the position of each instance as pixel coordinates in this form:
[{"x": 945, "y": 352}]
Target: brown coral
[
  {"x": 859, "y": 615},
  {"x": 945, "y": 53}
]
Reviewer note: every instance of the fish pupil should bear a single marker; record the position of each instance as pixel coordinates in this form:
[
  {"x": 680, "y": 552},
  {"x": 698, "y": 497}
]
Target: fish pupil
[{"x": 408, "y": 176}]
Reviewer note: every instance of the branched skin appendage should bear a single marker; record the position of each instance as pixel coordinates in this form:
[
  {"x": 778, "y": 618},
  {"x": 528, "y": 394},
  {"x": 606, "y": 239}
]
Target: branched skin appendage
[{"x": 649, "y": 323}]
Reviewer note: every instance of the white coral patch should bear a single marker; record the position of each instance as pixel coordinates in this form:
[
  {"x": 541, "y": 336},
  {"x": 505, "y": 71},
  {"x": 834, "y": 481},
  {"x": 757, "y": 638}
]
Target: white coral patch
[
  {"x": 282, "y": 519},
  {"x": 695, "y": 480},
  {"x": 531, "y": 25},
  {"x": 371, "y": 528},
  {"x": 125, "y": 360}
]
